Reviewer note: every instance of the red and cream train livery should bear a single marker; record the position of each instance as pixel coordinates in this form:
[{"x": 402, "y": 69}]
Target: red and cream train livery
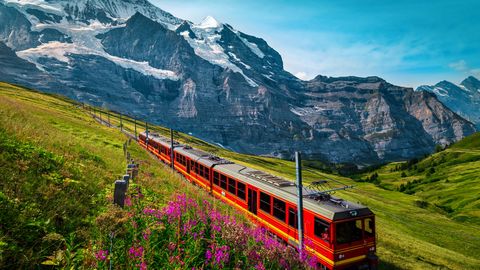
[{"x": 340, "y": 234}]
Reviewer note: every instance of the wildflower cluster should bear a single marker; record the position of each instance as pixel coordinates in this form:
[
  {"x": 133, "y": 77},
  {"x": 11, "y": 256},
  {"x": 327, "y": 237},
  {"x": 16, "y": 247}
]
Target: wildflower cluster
[{"x": 186, "y": 234}]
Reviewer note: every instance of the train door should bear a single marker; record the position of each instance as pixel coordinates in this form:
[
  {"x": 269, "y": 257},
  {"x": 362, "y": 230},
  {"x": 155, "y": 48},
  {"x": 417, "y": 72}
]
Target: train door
[
  {"x": 252, "y": 201},
  {"x": 188, "y": 166}
]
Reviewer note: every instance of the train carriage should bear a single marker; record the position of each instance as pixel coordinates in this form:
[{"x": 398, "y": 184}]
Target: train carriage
[{"x": 339, "y": 233}]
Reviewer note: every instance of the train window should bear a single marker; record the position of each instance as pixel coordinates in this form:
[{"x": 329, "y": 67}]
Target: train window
[
  {"x": 349, "y": 231},
  {"x": 292, "y": 218},
  {"x": 322, "y": 229},
  {"x": 232, "y": 186},
  {"x": 223, "y": 181},
  {"x": 265, "y": 203},
  {"x": 279, "y": 209},
  {"x": 216, "y": 178},
  {"x": 369, "y": 227},
  {"x": 241, "y": 190},
  {"x": 180, "y": 159},
  {"x": 196, "y": 168},
  {"x": 204, "y": 172}
]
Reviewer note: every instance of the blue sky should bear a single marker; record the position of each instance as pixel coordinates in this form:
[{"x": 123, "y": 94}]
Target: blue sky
[{"x": 406, "y": 42}]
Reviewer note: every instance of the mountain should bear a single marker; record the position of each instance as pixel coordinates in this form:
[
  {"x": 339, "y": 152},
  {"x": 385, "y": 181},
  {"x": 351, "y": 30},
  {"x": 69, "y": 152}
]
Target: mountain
[
  {"x": 463, "y": 98},
  {"x": 215, "y": 82}
]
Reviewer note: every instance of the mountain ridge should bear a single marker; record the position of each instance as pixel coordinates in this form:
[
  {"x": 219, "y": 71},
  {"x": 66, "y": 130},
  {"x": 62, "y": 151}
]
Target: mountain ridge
[
  {"x": 463, "y": 98},
  {"x": 222, "y": 85}
]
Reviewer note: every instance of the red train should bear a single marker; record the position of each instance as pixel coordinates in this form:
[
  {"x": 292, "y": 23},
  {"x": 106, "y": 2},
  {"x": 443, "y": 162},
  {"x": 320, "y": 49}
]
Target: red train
[{"x": 340, "y": 234}]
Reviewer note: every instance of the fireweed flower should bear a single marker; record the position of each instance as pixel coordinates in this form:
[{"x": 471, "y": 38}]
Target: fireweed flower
[
  {"x": 128, "y": 201},
  {"x": 136, "y": 252},
  {"x": 101, "y": 255},
  {"x": 259, "y": 266},
  {"x": 208, "y": 255},
  {"x": 195, "y": 222},
  {"x": 172, "y": 246},
  {"x": 146, "y": 234}
]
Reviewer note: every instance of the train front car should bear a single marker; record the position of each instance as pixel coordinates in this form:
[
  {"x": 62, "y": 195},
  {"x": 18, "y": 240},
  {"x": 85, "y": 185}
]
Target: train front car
[{"x": 343, "y": 235}]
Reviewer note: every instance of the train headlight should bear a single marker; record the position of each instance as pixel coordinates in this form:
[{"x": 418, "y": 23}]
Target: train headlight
[
  {"x": 341, "y": 256},
  {"x": 372, "y": 249}
]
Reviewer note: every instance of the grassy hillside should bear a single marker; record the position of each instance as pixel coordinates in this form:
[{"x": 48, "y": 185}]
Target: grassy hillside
[
  {"x": 58, "y": 166},
  {"x": 87, "y": 158},
  {"x": 447, "y": 182}
]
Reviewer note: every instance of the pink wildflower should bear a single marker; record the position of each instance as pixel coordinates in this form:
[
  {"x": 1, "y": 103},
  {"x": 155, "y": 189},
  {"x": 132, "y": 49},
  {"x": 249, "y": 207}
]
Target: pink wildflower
[{"x": 101, "y": 255}]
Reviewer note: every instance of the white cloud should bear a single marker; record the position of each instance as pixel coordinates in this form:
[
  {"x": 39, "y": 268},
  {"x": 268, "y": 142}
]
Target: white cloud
[
  {"x": 301, "y": 75},
  {"x": 460, "y": 65},
  {"x": 463, "y": 67}
]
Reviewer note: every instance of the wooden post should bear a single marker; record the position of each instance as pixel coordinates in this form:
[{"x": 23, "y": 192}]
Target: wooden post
[{"x": 298, "y": 165}]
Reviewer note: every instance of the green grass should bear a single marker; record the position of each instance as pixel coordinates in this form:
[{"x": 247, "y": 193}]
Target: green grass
[
  {"x": 411, "y": 234},
  {"x": 447, "y": 182},
  {"x": 58, "y": 167}
]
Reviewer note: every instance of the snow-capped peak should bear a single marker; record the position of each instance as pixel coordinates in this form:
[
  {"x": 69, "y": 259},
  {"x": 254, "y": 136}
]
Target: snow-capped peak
[
  {"x": 209, "y": 22},
  {"x": 86, "y": 10}
]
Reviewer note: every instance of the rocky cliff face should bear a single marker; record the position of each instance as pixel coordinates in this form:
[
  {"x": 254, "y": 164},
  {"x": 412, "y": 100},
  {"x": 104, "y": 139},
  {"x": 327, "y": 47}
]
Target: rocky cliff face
[
  {"x": 463, "y": 99},
  {"x": 215, "y": 82}
]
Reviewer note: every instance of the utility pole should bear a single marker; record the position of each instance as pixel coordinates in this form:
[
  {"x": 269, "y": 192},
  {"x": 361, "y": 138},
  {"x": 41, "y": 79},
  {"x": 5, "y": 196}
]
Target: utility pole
[
  {"x": 121, "y": 122},
  {"x": 135, "y": 124},
  {"x": 146, "y": 133},
  {"x": 298, "y": 165},
  {"x": 171, "y": 150}
]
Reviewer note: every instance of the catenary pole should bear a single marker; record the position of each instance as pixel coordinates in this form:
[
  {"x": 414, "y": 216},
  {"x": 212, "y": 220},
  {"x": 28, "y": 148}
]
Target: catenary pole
[
  {"x": 298, "y": 165},
  {"x": 171, "y": 150}
]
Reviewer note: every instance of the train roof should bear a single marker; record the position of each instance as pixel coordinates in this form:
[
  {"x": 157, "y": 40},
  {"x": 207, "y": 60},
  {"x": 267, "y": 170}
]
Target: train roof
[
  {"x": 328, "y": 206},
  {"x": 202, "y": 157},
  {"x": 161, "y": 139}
]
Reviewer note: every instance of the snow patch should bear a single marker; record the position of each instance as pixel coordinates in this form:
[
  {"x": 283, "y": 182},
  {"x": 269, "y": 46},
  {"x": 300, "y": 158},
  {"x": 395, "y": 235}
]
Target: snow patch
[
  {"x": 463, "y": 88},
  {"x": 61, "y": 51},
  {"x": 206, "y": 46},
  {"x": 440, "y": 91},
  {"x": 208, "y": 22},
  {"x": 41, "y": 4},
  {"x": 253, "y": 47}
]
